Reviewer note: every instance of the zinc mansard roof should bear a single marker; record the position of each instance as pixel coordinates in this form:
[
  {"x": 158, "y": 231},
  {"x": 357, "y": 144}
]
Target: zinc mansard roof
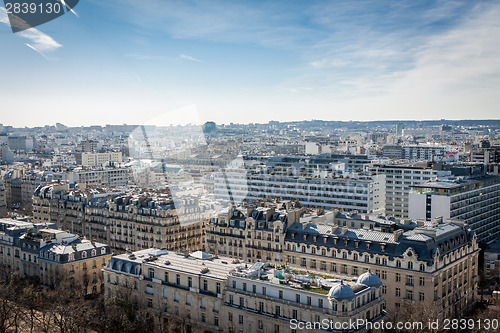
[{"x": 423, "y": 240}]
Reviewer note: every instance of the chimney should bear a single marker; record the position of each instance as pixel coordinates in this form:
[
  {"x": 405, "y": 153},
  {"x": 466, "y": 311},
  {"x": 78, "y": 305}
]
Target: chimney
[{"x": 397, "y": 234}]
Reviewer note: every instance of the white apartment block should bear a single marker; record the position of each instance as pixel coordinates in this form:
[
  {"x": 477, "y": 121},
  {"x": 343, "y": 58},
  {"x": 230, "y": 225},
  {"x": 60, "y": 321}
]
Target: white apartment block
[
  {"x": 100, "y": 159},
  {"x": 365, "y": 194},
  {"x": 474, "y": 201},
  {"x": 398, "y": 180}
]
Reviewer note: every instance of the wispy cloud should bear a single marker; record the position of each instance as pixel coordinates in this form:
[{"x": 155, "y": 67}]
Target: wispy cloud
[
  {"x": 148, "y": 57},
  {"x": 38, "y": 41},
  {"x": 187, "y": 57}
]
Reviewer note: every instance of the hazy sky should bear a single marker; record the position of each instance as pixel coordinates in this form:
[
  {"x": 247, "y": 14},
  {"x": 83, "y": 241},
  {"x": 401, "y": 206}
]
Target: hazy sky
[{"x": 129, "y": 61}]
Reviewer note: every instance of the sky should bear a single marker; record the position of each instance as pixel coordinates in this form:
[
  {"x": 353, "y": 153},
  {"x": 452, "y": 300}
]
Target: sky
[{"x": 148, "y": 61}]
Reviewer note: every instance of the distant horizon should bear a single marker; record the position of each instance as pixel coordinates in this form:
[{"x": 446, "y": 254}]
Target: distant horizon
[{"x": 263, "y": 123}]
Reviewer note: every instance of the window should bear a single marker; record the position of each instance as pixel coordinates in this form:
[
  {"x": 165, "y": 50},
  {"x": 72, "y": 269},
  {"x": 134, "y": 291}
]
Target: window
[
  {"x": 409, "y": 280},
  {"x": 398, "y": 277},
  {"x": 240, "y": 319},
  {"x": 166, "y": 277},
  {"x": 410, "y": 265},
  {"x": 384, "y": 290},
  {"x": 264, "y": 290},
  {"x": 188, "y": 299},
  {"x": 149, "y": 303},
  {"x": 398, "y": 292},
  {"x": 280, "y": 294},
  {"x": 297, "y": 298},
  {"x": 216, "y": 307},
  {"x": 176, "y": 297},
  {"x": 421, "y": 297},
  {"x": 383, "y": 275},
  {"x": 151, "y": 273},
  {"x": 217, "y": 288},
  {"x": 178, "y": 279},
  {"x": 294, "y": 314},
  {"x": 242, "y": 301},
  {"x": 203, "y": 303},
  {"x": 422, "y": 267},
  {"x": 422, "y": 281},
  {"x": 205, "y": 285},
  {"x": 398, "y": 263},
  {"x": 203, "y": 318},
  {"x": 309, "y": 300},
  {"x": 230, "y": 317},
  {"x": 254, "y": 289},
  {"x": 409, "y": 295},
  {"x": 320, "y": 303},
  {"x": 216, "y": 321},
  {"x": 277, "y": 311},
  {"x": 244, "y": 286},
  {"x": 190, "y": 282}
]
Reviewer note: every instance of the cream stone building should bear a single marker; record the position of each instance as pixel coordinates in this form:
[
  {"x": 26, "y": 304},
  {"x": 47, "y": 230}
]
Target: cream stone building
[
  {"x": 58, "y": 258},
  {"x": 434, "y": 262},
  {"x": 126, "y": 220},
  {"x": 204, "y": 293},
  {"x": 252, "y": 233}
]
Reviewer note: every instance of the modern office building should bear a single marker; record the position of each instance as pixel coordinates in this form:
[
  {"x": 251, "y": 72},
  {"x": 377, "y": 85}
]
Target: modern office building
[
  {"x": 398, "y": 182},
  {"x": 474, "y": 200},
  {"x": 320, "y": 182}
]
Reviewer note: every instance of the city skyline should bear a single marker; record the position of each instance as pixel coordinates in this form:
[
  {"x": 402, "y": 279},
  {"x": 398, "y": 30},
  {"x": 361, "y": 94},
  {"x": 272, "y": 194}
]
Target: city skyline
[{"x": 124, "y": 62}]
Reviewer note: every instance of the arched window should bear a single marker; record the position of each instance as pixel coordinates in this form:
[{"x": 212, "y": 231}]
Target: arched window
[
  {"x": 410, "y": 265},
  {"x": 398, "y": 263},
  {"x": 313, "y": 250},
  {"x": 94, "y": 252},
  {"x": 323, "y": 252},
  {"x": 303, "y": 249},
  {"x": 84, "y": 254},
  {"x": 355, "y": 256}
]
